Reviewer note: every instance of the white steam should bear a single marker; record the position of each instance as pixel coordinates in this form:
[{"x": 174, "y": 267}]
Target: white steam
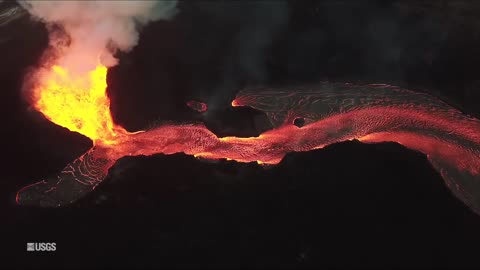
[{"x": 96, "y": 29}]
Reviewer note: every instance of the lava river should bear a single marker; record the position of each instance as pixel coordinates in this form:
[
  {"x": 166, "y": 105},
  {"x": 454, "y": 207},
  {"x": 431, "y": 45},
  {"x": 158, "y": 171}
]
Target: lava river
[{"x": 333, "y": 112}]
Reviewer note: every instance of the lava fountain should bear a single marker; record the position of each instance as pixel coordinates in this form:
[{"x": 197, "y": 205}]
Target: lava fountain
[
  {"x": 77, "y": 102},
  {"x": 333, "y": 112}
]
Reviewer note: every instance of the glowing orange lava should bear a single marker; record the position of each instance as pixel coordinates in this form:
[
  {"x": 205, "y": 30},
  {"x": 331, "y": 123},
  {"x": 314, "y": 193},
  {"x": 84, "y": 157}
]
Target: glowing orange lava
[
  {"x": 332, "y": 112},
  {"x": 78, "y": 102}
]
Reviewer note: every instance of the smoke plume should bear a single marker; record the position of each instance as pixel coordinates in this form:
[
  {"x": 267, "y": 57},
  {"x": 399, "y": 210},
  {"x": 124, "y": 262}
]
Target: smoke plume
[{"x": 92, "y": 31}]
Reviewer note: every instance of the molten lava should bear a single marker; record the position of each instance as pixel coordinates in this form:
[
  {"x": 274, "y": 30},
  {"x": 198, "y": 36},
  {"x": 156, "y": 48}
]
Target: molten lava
[
  {"x": 332, "y": 112},
  {"x": 77, "y": 102}
]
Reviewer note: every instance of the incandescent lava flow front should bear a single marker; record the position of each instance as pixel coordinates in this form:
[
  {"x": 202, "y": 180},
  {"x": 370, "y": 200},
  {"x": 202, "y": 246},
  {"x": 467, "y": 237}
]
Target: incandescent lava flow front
[{"x": 332, "y": 112}]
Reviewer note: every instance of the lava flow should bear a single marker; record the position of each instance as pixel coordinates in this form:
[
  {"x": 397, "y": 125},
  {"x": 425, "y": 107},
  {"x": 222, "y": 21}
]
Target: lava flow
[{"x": 333, "y": 112}]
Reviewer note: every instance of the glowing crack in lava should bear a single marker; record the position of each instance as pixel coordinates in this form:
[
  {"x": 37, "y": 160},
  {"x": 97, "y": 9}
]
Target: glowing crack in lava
[{"x": 333, "y": 112}]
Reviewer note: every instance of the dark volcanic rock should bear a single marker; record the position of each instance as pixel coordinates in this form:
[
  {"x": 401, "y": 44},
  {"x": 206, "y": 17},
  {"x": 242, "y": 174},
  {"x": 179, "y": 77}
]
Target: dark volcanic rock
[{"x": 377, "y": 205}]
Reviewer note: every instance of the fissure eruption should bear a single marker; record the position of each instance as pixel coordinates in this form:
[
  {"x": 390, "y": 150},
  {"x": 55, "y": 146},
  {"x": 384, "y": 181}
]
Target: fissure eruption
[
  {"x": 333, "y": 112},
  {"x": 77, "y": 102},
  {"x": 72, "y": 94}
]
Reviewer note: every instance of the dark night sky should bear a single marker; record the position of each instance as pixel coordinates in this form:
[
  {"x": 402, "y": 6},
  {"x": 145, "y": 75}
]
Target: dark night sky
[{"x": 349, "y": 205}]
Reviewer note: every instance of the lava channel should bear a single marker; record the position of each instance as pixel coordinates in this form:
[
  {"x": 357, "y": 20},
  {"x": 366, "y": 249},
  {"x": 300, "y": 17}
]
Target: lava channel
[{"x": 332, "y": 112}]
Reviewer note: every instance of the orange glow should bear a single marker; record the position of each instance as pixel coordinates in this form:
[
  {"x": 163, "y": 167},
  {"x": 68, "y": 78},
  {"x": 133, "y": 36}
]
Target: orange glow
[
  {"x": 78, "y": 102},
  {"x": 449, "y": 139}
]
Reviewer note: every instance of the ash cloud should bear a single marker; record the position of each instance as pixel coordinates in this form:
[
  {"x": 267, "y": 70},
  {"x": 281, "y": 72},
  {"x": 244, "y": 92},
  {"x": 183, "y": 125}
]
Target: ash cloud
[{"x": 94, "y": 30}]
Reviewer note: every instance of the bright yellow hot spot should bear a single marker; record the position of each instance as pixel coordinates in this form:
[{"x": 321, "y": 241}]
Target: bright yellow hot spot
[{"x": 78, "y": 103}]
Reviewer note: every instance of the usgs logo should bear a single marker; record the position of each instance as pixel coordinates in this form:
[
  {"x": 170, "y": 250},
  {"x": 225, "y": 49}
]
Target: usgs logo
[{"x": 41, "y": 247}]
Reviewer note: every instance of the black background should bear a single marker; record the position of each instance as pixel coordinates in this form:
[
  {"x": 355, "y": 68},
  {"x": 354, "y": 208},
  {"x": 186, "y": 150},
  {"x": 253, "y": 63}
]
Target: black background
[{"x": 349, "y": 205}]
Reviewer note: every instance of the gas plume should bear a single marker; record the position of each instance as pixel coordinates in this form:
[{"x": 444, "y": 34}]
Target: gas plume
[{"x": 95, "y": 30}]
